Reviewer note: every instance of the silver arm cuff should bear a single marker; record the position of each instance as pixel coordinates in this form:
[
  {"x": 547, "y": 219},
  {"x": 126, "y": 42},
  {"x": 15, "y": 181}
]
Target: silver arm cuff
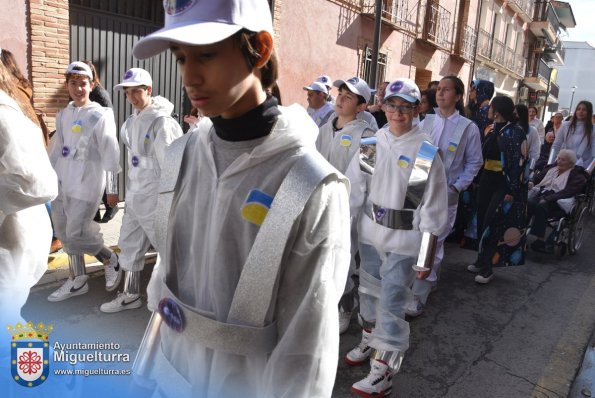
[
  {"x": 551, "y": 159},
  {"x": 590, "y": 167},
  {"x": 532, "y": 164},
  {"x": 392, "y": 358},
  {"x": 148, "y": 347},
  {"x": 111, "y": 183},
  {"x": 427, "y": 251}
]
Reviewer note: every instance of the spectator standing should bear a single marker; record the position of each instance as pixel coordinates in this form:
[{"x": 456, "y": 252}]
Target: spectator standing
[
  {"x": 577, "y": 134},
  {"x": 376, "y": 108},
  {"x": 536, "y": 122},
  {"x": 428, "y": 103},
  {"x": 480, "y": 94},
  {"x": 502, "y": 196},
  {"x": 318, "y": 108}
]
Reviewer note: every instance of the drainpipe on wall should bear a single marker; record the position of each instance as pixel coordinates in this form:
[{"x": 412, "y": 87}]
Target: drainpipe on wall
[
  {"x": 475, "y": 49},
  {"x": 376, "y": 45}
]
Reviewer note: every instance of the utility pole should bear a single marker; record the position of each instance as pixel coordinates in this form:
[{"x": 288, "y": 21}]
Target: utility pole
[{"x": 376, "y": 45}]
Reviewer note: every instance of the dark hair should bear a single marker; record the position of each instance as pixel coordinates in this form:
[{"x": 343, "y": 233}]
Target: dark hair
[
  {"x": 430, "y": 94},
  {"x": 95, "y": 79},
  {"x": 460, "y": 90},
  {"x": 588, "y": 122},
  {"x": 11, "y": 65},
  {"x": 270, "y": 71},
  {"x": 504, "y": 106},
  {"x": 523, "y": 117},
  {"x": 532, "y": 107},
  {"x": 433, "y": 83}
]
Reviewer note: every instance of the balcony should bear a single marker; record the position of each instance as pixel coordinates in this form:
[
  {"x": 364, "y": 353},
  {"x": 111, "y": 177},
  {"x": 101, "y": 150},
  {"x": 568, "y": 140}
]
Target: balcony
[
  {"x": 434, "y": 25},
  {"x": 538, "y": 75},
  {"x": 554, "y": 90},
  {"x": 545, "y": 22},
  {"x": 484, "y": 44},
  {"x": 498, "y": 55},
  {"x": 524, "y": 9},
  {"x": 555, "y": 53},
  {"x": 395, "y": 13},
  {"x": 464, "y": 48}
]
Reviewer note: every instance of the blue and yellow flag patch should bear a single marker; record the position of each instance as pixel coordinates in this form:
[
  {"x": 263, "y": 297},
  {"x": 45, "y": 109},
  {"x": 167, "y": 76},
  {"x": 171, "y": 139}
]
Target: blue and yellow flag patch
[
  {"x": 77, "y": 126},
  {"x": 403, "y": 161},
  {"x": 256, "y": 207},
  {"x": 452, "y": 146},
  {"x": 346, "y": 140}
]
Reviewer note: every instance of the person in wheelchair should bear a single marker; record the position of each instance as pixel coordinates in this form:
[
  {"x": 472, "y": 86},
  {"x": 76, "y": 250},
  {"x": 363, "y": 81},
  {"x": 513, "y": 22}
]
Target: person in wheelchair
[{"x": 560, "y": 180}]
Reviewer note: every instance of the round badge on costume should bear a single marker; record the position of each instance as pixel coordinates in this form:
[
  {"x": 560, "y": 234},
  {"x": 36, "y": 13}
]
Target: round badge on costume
[
  {"x": 346, "y": 140},
  {"x": 380, "y": 213},
  {"x": 65, "y": 151},
  {"x": 135, "y": 161},
  {"x": 172, "y": 314},
  {"x": 175, "y": 7}
]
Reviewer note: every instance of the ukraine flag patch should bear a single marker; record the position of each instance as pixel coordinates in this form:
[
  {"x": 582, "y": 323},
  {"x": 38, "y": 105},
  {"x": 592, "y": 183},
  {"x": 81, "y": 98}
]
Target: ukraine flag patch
[
  {"x": 256, "y": 207},
  {"x": 77, "y": 126},
  {"x": 403, "y": 161},
  {"x": 346, "y": 140},
  {"x": 452, "y": 146}
]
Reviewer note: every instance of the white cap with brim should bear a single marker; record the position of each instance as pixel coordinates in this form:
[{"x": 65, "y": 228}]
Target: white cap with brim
[
  {"x": 199, "y": 22},
  {"x": 79, "y": 68},
  {"x": 405, "y": 89},
  {"x": 135, "y": 77},
  {"x": 316, "y": 86},
  {"x": 356, "y": 86}
]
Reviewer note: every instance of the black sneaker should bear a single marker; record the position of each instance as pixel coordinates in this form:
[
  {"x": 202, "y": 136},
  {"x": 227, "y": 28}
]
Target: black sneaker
[
  {"x": 97, "y": 217},
  {"x": 110, "y": 212}
]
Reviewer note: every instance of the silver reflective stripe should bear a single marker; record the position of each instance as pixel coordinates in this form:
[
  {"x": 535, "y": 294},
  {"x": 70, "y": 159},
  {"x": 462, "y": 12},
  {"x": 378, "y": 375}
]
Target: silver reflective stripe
[
  {"x": 427, "y": 252},
  {"x": 256, "y": 287},
  {"x": 368, "y": 284},
  {"x": 390, "y": 218},
  {"x": 453, "y": 143},
  {"x": 428, "y": 125},
  {"x": 169, "y": 177},
  {"x": 367, "y": 154},
  {"x": 419, "y": 175},
  {"x": 80, "y": 152},
  {"x": 225, "y": 337}
]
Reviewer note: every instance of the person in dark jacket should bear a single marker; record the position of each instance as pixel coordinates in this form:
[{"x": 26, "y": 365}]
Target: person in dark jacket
[{"x": 557, "y": 181}]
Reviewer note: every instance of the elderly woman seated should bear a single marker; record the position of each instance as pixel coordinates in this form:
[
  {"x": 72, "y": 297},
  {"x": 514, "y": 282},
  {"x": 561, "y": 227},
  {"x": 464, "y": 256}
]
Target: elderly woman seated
[{"x": 558, "y": 181}]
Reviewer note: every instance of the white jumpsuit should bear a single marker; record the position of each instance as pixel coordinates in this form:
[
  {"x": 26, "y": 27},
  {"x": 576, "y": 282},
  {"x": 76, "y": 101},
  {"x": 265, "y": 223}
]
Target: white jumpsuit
[
  {"x": 27, "y": 181},
  {"x": 85, "y": 146},
  {"x": 146, "y": 135},
  {"x": 208, "y": 239},
  {"x": 388, "y": 254}
]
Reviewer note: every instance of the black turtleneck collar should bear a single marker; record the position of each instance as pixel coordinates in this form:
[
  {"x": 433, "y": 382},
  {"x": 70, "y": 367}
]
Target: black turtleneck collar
[{"x": 256, "y": 123}]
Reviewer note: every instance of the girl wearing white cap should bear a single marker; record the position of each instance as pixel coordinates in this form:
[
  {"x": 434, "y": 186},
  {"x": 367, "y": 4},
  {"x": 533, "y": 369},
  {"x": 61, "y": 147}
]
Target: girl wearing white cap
[
  {"x": 85, "y": 155},
  {"x": 254, "y": 237},
  {"x": 146, "y": 133}
]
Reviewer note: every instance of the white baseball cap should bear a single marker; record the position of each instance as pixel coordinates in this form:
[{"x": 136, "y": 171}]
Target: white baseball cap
[
  {"x": 79, "y": 68},
  {"x": 403, "y": 88},
  {"x": 317, "y": 86},
  {"x": 135, "y": 77},
  {"x": 356, "y": 86},
  {"x": 324, "y": 79},
  {"x": 196, "y": 22}
]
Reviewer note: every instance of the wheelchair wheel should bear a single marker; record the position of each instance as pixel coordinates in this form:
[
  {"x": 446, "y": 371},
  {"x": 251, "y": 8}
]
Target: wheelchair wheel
[{"x": 575, "y": 235}]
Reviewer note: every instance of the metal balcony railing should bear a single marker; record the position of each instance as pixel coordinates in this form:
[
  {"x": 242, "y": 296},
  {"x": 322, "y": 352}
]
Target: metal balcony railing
[
  {"x": 484, "y": 44},
  {"x": 509, "y": 60},
  {"x": 525, "y": 6},
  {"x": 467, "y": 49},
  {"x": 498, "y": 52},
  {"x": 519, "y": 64},
  {"x": 433, "y": 24},
  {"x": 395, "y": 12},
  {"x": 545, "y": 12}
]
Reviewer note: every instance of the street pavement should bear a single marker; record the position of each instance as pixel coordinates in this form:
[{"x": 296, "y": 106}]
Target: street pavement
[{"x": 523, "y": 335}]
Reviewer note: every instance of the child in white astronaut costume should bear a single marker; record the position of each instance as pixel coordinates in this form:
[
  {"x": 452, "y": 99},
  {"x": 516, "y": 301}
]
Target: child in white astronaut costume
[
  {"x": 339, "y": 142},
  {"x": 404, "y": 212},
  {"x": 146, "y": 134},
  {"x": 460, "y": 150},
  {"x": 85, "y": 155},
  {"x": 255, "y": 248},
  {"x": 27, "y": 181}
]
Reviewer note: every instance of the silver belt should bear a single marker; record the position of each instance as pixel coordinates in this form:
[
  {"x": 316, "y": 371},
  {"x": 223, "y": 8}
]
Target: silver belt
[{"x": 390, "y": 218}]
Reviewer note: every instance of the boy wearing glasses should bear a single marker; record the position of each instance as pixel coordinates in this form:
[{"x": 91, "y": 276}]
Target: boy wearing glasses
[
  {"x": 146, "y": 133},
  {"x": 404, "y": 212},
  {"x": 339, "y": 142}
]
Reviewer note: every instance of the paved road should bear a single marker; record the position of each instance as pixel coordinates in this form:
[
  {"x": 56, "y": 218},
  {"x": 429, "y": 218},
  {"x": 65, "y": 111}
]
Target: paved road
[{"x": 523, "y": 335}]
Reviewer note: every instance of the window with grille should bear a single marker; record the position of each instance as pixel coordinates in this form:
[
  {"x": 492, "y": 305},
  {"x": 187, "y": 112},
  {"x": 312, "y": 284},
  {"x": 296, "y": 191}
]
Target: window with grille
[{"x": 365, "y": 65}]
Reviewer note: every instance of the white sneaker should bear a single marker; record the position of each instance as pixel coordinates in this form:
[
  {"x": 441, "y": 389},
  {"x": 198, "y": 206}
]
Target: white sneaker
[
  {"x": 484, "y": 280},
  {"x": 473, "y": 268},
  {"x": 378, "y": 384},
  {"x": 71, "y": 288},
  {"x": 113, "y": 273},
  {"x": 360, "y": 354},
  {"x": 124, "y": 301},
  {"x": 414, "y": 308},
  {"x": 344, "y": 320}
]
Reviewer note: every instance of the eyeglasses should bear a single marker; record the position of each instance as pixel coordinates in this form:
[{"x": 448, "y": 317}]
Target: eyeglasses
[{"x": 403, "y": 109}]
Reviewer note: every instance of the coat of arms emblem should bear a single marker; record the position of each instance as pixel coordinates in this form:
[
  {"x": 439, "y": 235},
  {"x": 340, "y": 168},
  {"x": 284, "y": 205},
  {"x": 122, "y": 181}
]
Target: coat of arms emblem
[{"x": 29, "y": 353}]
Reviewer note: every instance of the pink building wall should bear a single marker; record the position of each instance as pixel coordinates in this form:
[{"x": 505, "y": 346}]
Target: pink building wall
[{"x": 13, "y": 35}]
